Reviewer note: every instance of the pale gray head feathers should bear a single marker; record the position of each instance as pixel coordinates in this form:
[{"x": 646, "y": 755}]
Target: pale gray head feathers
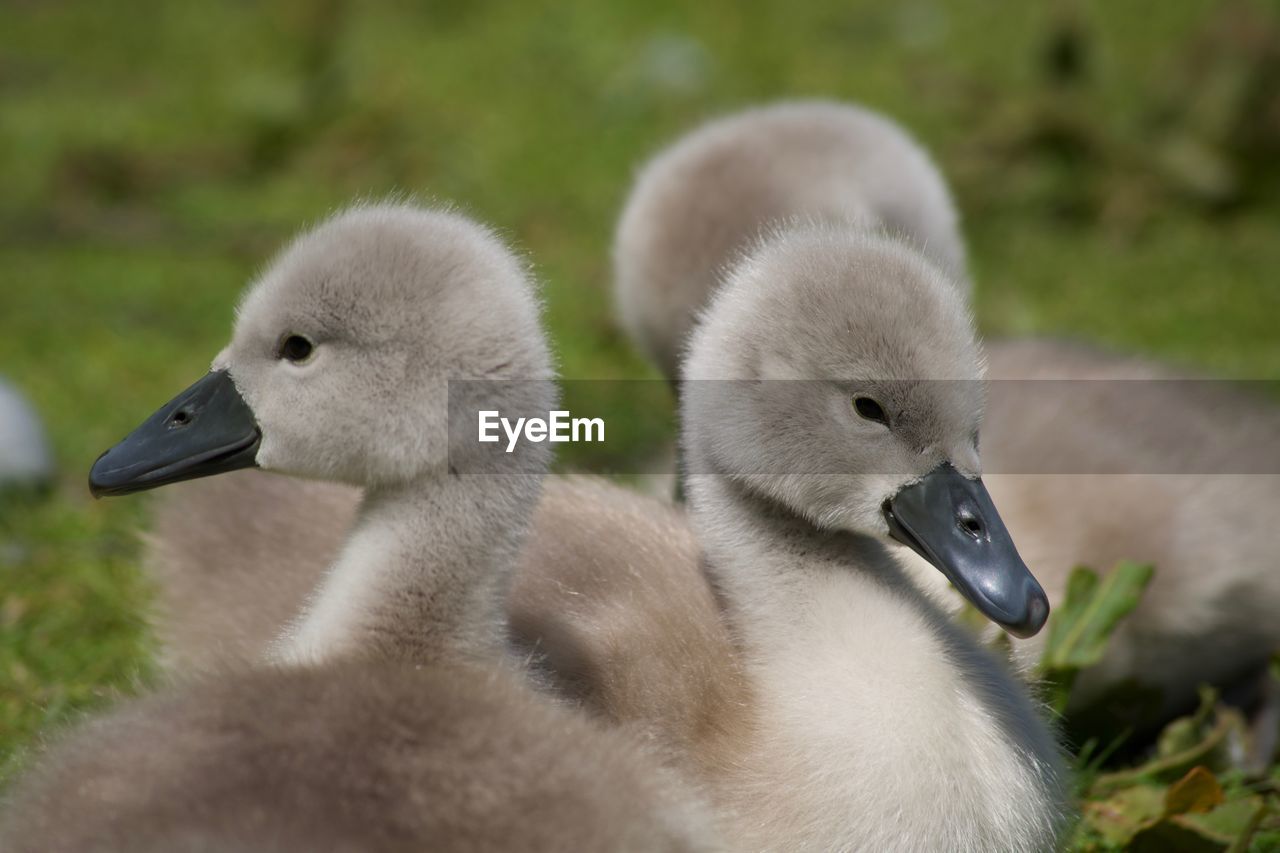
[
  {"x": 696, "y": 205},
  {"x": 824, "y": 315},
  {"x": 450, "y": 750},
  {"x": 396, "y": 301}
]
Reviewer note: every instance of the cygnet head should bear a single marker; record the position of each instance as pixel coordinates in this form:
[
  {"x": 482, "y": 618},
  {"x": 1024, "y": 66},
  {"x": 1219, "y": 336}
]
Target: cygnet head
[
  {"x": 847, "y": 388},
  {"x": 703, "y": 200},
  {"x": 343, "y": 350}
]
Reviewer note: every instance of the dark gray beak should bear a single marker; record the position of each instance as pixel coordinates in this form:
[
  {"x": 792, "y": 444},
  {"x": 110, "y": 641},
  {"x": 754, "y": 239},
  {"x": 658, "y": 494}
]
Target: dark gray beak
[
  {"x": 207, "y": 429},
  {"x": 950, "y": 521}
]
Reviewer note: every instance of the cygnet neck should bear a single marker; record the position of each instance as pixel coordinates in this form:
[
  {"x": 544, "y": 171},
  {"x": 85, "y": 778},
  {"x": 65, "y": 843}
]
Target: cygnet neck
[
  {"x": 424, "y": 574},
  {"x": 780, "y": 577}
]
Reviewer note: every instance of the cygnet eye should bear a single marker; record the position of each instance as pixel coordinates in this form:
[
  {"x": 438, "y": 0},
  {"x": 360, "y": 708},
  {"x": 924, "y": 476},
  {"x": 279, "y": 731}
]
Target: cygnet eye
[
  {"x": 870, "y": 409},
  {"x": 296, "y": 349}
]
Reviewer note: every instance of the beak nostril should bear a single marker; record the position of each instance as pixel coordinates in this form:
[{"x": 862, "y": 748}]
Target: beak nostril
[
  {"x": 971, "y": 525},
  {"x": 180, "y": 418}
]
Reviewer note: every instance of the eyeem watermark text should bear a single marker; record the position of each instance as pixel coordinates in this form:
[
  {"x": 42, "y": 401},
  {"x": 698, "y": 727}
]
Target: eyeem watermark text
[{"x": 557, "y": 427}]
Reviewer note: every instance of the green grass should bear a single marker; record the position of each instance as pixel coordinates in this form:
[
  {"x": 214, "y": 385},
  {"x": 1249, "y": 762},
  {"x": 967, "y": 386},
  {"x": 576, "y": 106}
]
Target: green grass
[{"x": 154, "y": 154}]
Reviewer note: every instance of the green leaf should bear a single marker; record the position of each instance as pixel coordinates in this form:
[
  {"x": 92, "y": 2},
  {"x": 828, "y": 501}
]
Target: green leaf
[
  {"x": 1184, "y": 733},
  {"x": 1238, "y": 819},
  {"x": 1083, "y": 623},
  {"x": 1176, "y": 835},
  {"x": 1211, "y": 750},
  {"x": 1117, "y": 818}
]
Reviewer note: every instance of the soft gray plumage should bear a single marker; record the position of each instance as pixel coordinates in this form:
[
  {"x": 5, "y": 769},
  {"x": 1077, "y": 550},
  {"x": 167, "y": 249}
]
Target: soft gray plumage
[
  {"x": 864, "y": 722},
  {"x": 353, "y": 756},
  {"x": 1210, "y": 536},
  {"x": 888, "y": 727},
  {"x": 607, "y": 596},
  {"x": 205, "y": 549},
  {"x": 1194, "y": 625},
  {"x": 1198, "y": 503},
  {"x": 700, "y": 203},
  {"x": 392, "y": 720}
]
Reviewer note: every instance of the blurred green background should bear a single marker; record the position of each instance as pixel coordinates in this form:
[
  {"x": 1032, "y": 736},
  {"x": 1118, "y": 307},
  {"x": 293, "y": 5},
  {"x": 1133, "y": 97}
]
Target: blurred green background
[{"x": 1116, "y": 162}]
